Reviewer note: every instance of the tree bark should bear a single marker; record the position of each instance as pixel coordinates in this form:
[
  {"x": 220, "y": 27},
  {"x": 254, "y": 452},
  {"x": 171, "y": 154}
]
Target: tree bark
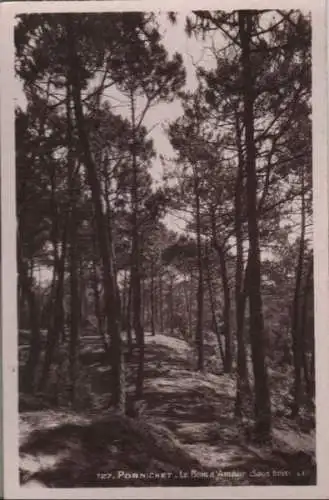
[
  {"x": 128, "y": 318},
  {"x": 257, "y": 333},
  {"x": 108, "y": 206},
  {"x": 227, "y": 311},
  {"x": 98, "y": 308},
  {"x": 56, "y": 330},
  {"x": 213, "y": 310},
  {"x": 74, "y": 316},
  {"x": 56, "y": 324},
  {"x": 124, "y": 299},
  {"x": 187, "y": 305},
  {"x": 226, "y": 293},
  {"x": 74, "y": 293},
  {"x": 144, "y": 302},
  {"x": 296, "y": 326},
  {"x": 171, "y": 304},
  {"x": 242, "y": 374},
  {"x": 104, "y": 232},
  {"x": 160, "y": 307},
  {"x": 308, "y": 375},
  {"x": 152, "y": 300},
  {"x": 30, "y": 369},
  {"x": 135, "y": 268},
  {"x": 199, "y": 337}
]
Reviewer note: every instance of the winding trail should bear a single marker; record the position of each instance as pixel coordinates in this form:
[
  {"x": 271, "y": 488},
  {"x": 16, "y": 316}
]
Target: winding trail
[{"x": 197, "y": 409}]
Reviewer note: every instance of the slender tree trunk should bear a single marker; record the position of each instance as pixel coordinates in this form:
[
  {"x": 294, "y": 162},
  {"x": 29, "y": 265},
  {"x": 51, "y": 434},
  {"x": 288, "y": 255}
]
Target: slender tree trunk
[
  {"x": 103, "y": 230},
  {"x": 199, "y": 336},
  {"x": 227, "y": 312},
  {"x": 160, "y": 308},
  {"x": 145, "y": 299},
  {"x": 243, "y": 384},
  {"x": 74, "y": 317},
  {"x": 33, "y": 357},
  {"x": 144, "y": 303},
  {"x": 213, "y": 309},
  {"x": 74, "y": 293},
  {"x": 226, "y": 294},
  {"x": 308, "y": 376},
  {"x": 152, "y": 300},
  {"x": 257, "y": 333},
  {"x": 56, "y": 326},
  {"x": 124, "y": 299},
  {"x": 98, "y": 308},
  {"x": 81, "y": 281},
  {"x": 242, "y": 374},
  {"x": 296, "y": 326},
  {"x": 312, "y": 367},
  {"x": 22, "y": 323},
  {"x": 187, "y": 306},
  {"x": 26, "y": 283},
  {"x": 107, "y": 195},
  {"x": 156, "y": 300},
  {"x": 128, "y": 318},
  {"x": 191, "y": 297},
  {"x": 171, "y": 305},
  {"x": 135, "y": 269},
  {"x": 56, "y": 330}
]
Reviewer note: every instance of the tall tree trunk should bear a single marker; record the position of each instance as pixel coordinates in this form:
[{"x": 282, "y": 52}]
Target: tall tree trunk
[
  {"x": 171, "y": 305},
  {"x": 74, "y": 316},
  {"x": 124, "y": 299},
  {"x": 308, "y": 375},
  {"x": 187, "y": 305},
  {"x": 74, "y": 293},
  {"x": 144, "y": 302},
  {"x": 128, "y": 318},
  {"x": 107, "y": 195},
  {"x": 243, "y": 384},
  {"x": 213, "y": 309},
  {"x": 152, "y": 299},
  {"x": 312, "y": 367},
  {"x": 33, "y": 357},
  {"x": 160, "y": 307},
  {"x": 227, "y": 311},
  {"x": 103, "y": 229},
  {"x": 199, "y": 336},
  {"x": 191, "y": 295},
  {"x": 98, "y": 308},
  {"x": 156, "y": 300},
  {"x": 56, "y": 330},
  {"x": 257, "y": 333},
  {"x": 26, "y": 283},
  {"x": 296, "y": 326},
  {"x": 135, "y": 268},
  {"x": 22, "y": 323},
  {"x": 81, "y": 281},
  {"x": 56, "y": 325},
  {"x": 226, "y": 293},
  {"x": 242, "y": 374}
]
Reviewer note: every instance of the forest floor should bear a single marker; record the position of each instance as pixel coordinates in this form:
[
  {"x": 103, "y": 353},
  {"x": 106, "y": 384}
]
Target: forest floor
[{"x": 186, "y": 430}]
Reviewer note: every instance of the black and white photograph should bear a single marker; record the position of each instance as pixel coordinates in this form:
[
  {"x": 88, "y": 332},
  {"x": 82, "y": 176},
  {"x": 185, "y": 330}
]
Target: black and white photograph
[{"x": 164, "y": 239}]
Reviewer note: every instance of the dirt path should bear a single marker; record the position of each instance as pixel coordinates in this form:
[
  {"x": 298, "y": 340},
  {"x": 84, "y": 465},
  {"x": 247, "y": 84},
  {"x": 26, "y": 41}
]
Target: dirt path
[{"x": 197, "y": 409}]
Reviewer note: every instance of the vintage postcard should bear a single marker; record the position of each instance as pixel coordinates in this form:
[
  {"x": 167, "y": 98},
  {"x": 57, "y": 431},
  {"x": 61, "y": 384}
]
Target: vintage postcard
[{"x": 164, "y": 214}]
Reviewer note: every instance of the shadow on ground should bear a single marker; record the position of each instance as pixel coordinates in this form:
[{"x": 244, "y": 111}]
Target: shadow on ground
[{"x": 186, "y": 435}]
